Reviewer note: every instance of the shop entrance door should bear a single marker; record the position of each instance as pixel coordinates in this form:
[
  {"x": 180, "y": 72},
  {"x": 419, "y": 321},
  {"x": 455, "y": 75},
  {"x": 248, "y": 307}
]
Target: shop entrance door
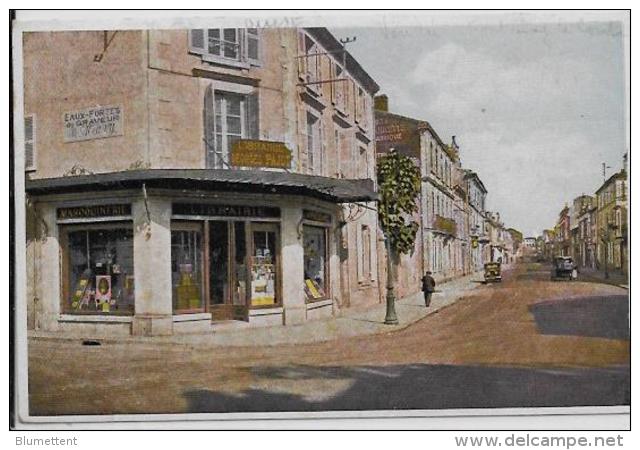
[
  {"x": 227, "y": 270},
  {"x": 243, "y": 268}
]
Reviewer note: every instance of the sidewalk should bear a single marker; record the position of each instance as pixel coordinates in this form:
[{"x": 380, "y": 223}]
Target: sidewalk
[
  {"x": 615, "y": 277},
  {"x": 348, "y": 324}
]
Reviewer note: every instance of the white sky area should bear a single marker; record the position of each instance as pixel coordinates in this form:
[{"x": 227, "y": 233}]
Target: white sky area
[{"x": 535, "y": 108}]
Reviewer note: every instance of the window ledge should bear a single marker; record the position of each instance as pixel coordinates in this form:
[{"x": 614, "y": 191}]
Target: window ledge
[
  {"x": 191, "y": 317},
  {"x": 94, "y": 318},
  {"x": 319, "y": 303},
  {"x": 265, "y": 311}
]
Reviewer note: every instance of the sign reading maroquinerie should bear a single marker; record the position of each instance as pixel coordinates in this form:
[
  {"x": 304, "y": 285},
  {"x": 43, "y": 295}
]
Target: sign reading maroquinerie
[
  {"x": 93, "y": 123},
  {"x": 203, "y": 209},
  {"x": 255, "y": 153},
  {"x": 85, "y": 212}
]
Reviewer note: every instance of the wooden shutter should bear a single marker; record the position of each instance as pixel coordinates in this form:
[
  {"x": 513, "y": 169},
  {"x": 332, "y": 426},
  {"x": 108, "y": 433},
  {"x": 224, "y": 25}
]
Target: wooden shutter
[
  {"x": 197, "y": 41},
  {"x": 208, "y": 120},
  {"x": 252, "y": 46},
  {"x": 334, "y": 84},
  {"x": 321, "y": 147},
  {"x": 29, "y": 143},
  {"x": 252, "y": 111},
  {"x": 302, "y": 60}
]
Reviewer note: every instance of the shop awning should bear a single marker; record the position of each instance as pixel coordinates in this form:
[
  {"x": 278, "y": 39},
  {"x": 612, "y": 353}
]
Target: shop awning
[{"x": 230, "y": 180}]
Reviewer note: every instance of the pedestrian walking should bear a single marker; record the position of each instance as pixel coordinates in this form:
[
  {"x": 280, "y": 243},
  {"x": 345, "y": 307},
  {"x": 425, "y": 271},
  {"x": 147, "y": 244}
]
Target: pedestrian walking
[{"x": 428, "y": 286}]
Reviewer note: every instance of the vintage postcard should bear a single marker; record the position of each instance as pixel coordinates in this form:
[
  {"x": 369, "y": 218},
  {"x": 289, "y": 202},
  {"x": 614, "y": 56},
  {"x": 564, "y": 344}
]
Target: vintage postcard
[{"x": 256, "y": 215}]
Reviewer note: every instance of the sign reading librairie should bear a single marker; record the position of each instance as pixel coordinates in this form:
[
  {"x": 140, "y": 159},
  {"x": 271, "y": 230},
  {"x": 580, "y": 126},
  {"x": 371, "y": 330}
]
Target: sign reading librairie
[
  {"x": 93, "y": 123},
  {"x": 210, "y": 210},
  {"x": 255, "y": 153}
]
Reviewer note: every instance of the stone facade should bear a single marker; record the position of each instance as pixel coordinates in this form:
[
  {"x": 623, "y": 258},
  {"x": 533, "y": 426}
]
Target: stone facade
[{"x": 183, "y": 98}]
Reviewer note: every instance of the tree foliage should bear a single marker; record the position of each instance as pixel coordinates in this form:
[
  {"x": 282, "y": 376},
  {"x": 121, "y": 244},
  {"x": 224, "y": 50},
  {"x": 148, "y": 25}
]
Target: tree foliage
[{"x": 399, "y": 187}]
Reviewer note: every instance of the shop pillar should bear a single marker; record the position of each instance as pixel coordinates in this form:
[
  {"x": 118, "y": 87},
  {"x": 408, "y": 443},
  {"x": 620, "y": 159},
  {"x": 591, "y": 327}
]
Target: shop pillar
[
  {"x": 293, "y": 299},
  {"x": 47, "y": 272},
  {"x": 152, "y": 267}
]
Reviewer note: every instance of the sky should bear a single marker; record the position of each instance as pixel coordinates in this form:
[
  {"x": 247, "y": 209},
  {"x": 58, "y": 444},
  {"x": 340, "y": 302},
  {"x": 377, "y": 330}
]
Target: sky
[{"x": 535, "y": 108}]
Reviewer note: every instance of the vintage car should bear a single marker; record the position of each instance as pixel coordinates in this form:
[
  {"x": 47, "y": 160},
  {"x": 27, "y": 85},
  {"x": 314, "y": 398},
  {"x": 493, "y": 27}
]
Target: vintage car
[
  {"x": 563, "y": 268},
  {"x": 492, "y": 272}
]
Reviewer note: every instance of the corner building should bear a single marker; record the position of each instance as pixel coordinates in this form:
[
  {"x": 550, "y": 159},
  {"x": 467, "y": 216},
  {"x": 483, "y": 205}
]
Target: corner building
[{"x": 177, "y": 179}]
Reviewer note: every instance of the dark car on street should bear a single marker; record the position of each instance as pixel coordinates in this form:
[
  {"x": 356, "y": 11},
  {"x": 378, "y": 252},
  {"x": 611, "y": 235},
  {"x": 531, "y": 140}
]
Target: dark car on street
[
  {"x": 563, "y": 268},
  {"x": 492, "y": 272}
]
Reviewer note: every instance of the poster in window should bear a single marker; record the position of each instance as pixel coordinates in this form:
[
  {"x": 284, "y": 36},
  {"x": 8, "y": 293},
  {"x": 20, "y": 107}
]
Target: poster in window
[
  {"x": 103, "y": 292},
  {"x": 262, "y": 278}
]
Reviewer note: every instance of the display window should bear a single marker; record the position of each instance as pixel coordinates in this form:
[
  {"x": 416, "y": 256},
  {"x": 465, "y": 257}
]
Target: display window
[
  {"x": 263, "y": 265},
  {"x": 187, "y": 267},
  {"x": 315, "y": 263},
  {"x": 224, "y": 267},
  {"x": 98, "y": 273}
]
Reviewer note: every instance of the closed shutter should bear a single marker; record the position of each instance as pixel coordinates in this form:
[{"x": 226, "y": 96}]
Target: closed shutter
[
  {"x": 302, "y": 60},
  {"x": 252, "y": 45},
  {"x": 334, "y": 84},
  {"x": 208, "y": 120},
  {"x": 253, "y": 116},
  {"x": 29, "y": 143},
  {"x": 321, "y": 148},
  {"x": 196, "y": 41}
]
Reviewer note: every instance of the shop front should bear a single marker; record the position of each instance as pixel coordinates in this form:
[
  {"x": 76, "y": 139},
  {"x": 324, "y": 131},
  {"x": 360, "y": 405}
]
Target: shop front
[{"x": 145, "y": 256}]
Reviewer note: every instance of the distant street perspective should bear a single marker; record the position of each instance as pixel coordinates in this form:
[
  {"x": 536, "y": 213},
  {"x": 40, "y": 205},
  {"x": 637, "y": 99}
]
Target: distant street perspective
[{"x": 527, "y": 341}]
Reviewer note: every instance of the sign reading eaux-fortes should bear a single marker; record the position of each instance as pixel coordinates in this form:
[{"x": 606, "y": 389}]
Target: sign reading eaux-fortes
[{"x": 93, "y": 123}]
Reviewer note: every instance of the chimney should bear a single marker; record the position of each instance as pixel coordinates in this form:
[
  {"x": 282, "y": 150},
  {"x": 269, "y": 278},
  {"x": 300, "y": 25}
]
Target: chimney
[{"x": 381, "y": 103}]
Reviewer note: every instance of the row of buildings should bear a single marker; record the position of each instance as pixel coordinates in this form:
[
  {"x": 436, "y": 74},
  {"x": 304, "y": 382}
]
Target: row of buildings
[
  {"x": 593, "y": 228},
  {"x": 176, "y": 179},
  {"x": 457, "y": 235}
]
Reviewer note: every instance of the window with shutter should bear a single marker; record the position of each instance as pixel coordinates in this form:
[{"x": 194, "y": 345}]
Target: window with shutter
[
  {"x": 29, "y": 143},
  {"x": 238, "y": 47},
  {"x": 196, "y": 41},
  {"x": 314, "y": 144},
  {"x": 252, "y": 45},
  {"x": 228, "y": 117},
  {"x": 209, "y": 127}
]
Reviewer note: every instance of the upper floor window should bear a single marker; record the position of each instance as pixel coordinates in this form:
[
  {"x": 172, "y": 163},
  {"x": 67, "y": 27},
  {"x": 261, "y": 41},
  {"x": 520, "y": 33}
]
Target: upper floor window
[
  {"x": 364, "y": 163},
  {"x": 230, "y": 46},
  {"x": 309, "y": 63},
  {"x": 228, "y": 117},
  {"x": 339, "y": 88},
  {"x": 362, "y": 105},
  {"x": 314, "y": 144}
]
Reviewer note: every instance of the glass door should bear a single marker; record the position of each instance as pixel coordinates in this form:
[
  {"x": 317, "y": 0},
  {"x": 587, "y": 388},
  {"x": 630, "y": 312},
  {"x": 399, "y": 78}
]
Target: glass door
[{"x": 264, "y": 265}]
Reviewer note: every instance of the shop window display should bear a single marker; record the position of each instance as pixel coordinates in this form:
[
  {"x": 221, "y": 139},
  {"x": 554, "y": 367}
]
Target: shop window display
[
  {"x": 100, "y": 271},
  {"x": 315, "y": 275},
  {"x": 263, "y": 268},
  {"x": 186, "y": 270}
]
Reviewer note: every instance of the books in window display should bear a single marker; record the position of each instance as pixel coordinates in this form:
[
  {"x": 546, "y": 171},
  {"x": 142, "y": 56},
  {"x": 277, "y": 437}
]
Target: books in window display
[
  {"x": 313, "y": 290},
  {"x": 187, "y": 292}
]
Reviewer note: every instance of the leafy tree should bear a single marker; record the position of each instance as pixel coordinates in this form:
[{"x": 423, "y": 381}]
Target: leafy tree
[
  {"x": 399, "y": 187},
  {"x": 399, "y": 182}
]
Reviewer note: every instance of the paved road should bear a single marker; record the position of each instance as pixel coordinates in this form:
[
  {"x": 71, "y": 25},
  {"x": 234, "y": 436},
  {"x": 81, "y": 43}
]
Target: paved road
[{"x": 525, "y": 342}]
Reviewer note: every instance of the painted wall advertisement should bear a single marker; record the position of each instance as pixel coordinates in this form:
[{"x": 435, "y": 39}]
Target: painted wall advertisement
[
  {"x": 399, "y": 133},
  {"x": 93, "y": 123}
]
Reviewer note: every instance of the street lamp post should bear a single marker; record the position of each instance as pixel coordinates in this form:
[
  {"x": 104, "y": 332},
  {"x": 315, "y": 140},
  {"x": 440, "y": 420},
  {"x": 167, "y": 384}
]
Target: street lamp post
[{"x": 391, "y": 318}]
